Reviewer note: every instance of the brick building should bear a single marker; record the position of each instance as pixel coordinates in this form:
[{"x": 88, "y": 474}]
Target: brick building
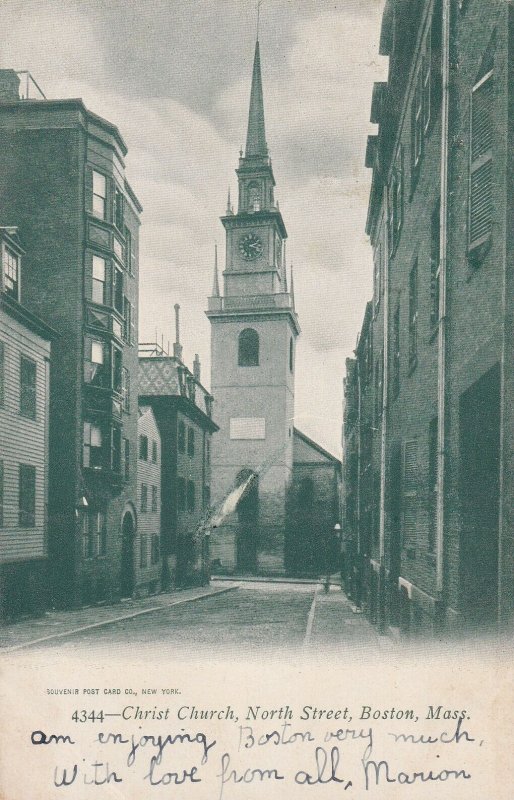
[
  {"x": 62, "y": 179},
  {"x": 25, "y": 343},
  {"x": 433, "y": 377},
  {"x": 183, "y": 412}
]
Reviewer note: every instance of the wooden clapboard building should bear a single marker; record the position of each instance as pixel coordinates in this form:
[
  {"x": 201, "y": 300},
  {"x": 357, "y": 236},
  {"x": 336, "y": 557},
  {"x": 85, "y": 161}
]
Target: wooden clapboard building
[{"x": 25, "y": 345}]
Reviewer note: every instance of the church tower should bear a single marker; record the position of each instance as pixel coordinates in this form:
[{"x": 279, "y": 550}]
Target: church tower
[{"x": 253, "y": 338}]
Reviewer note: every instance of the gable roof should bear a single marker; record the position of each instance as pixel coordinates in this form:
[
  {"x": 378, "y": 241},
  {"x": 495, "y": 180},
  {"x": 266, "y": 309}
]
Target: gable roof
[{"x": 319, "y": 450}]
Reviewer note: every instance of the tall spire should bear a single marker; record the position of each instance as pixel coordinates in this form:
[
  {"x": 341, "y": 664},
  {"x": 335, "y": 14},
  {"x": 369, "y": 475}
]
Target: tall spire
[
  {"x": 216, "y": 284},
  {"x": 256, "y": 135}
]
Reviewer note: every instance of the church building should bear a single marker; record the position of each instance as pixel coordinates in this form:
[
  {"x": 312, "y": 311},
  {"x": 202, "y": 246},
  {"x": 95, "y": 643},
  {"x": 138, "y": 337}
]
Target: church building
[{"x": 254, "y": 327}]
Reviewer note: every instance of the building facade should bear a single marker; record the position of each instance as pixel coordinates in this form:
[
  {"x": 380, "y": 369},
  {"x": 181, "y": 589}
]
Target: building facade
[
  {"x": 183, "y": 412},
  {"x": 312, "y": 545},
  {"x": 25, "y": 343},
  {"x": 141, "y": 562},
  {"x": 438, "y": 396},
  {"x": 254, "y": 328},
  {"x": 62, "y": 177}
]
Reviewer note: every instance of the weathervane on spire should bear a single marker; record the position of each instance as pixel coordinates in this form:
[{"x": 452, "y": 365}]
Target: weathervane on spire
[{"x": 259, "y": 4}]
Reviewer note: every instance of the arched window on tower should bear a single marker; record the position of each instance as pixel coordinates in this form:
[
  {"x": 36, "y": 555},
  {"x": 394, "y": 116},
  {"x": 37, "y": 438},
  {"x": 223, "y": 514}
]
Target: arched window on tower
[
  {"x": 291, "y": 354},
  {"x": 248, "y": 355}
]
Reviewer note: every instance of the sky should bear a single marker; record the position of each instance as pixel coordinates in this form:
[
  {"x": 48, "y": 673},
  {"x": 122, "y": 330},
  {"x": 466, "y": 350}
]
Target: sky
[{"x": 175, "y": 76}]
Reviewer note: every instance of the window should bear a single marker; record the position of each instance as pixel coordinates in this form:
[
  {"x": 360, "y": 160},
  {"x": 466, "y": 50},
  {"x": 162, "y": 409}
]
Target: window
[
  {"x": 88, "y": 543},
  {"x": 27, "y": 496},
  {"x": 144, "y": 498},
  {"x": 481, "y": 160},
  {"x": 432, "y": 483},
  {"x": 11, "y": 274},
  {"x": 92, "y": 446},
  {"x": 117, "y": 290},
  {"x": 117, "y": 370},
  {"x": 94, "y": 534},
  {"x": 248, "y": 348},
  {"x": 2, "y": 373},
  {"x": 1, "y": 494},
  {"x": 154, "y": 499},
  {"x": 291, "y": 354},
  {"x": 95, "y": 365},
  {"x": 99, "y": 195},
  {"x": 396, "y": 353},
  {"x": 156, "y": 548},
  {"x": 98, "y": 290},
  {"x": 116, "y": 449},
  {"x": 413, "y": 315},
  {"x": 395, "y": 204},
  {"x": 190, "y": 496},
  {"x": 377, "y": 276},
  {"x": 154, "y": 452},
  {"x": 143, "y": 552},
  {"x": 128, "y": 251},
  {"x": 100, "y": 532},
  {"x": 128, "y": 321},
  {"x": 435, "y": 264},
  {"x": 126, "y": 459},
  {"x": 190, "y": 442},
  {"x": 27, "y": 388},
  {"x": 125, "y": 389},
  {"x": 118, "y": 208},
  {"x": 143, "y": 447},
  {"x": 181, "y": 494},
  {"x": 306, "y": 494},
  {"x": 181, "y": 437},
  {"x": 427, "y": 84}
]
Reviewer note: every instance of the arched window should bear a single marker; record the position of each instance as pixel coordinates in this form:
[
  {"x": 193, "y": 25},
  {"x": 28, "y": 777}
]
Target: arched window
[
  {"x": 306, "y": 493},
  {"x": 248, "y": 348},
  {"x": 291, "y": 354}
]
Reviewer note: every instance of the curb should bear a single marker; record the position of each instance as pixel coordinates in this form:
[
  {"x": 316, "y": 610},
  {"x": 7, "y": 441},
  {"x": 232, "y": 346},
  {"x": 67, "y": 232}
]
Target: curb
[{"x": 114, "y": 620}]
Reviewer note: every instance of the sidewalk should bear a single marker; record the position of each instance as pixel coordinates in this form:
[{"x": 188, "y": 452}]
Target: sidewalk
[
  {"x": 336, "y": 620},
  {"x": 57, "y": 624}
]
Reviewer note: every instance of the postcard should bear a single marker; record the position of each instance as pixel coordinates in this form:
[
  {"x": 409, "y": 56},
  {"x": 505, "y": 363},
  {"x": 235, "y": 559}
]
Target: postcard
[{"x": 256, "y": 413}]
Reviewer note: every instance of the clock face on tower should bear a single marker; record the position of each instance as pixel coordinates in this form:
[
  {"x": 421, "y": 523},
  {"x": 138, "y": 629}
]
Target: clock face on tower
[{"x": 250, "y": 246}]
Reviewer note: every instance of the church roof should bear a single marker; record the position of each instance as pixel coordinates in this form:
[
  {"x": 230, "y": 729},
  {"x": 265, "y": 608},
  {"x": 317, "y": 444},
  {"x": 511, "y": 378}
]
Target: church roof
[
  {"x": 321, "y": 453},
  {"x": 256, "y": 135}
]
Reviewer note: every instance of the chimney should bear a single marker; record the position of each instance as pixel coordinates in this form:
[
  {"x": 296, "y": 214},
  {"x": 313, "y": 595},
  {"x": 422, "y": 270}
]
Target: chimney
[
  {"x": 177, "y": 347},
  {"x": 9, "y": 85},
  {"x": 196, "y": 368}
]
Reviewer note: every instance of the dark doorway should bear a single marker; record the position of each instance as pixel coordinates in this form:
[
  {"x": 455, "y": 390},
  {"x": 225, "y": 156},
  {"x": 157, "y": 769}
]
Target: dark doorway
[
  {"x": 127, "y": 556},
  {"x": 480, "y": 495},
  {"x": 248, "y": 516}
]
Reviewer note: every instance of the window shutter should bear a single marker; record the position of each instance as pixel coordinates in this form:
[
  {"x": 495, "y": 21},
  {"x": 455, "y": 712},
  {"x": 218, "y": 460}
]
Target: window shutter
[{"x": 481, "y": 193}]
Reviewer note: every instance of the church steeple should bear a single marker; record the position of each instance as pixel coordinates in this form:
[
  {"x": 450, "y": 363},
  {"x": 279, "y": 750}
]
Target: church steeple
[{"x": 256, "y": 134}]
